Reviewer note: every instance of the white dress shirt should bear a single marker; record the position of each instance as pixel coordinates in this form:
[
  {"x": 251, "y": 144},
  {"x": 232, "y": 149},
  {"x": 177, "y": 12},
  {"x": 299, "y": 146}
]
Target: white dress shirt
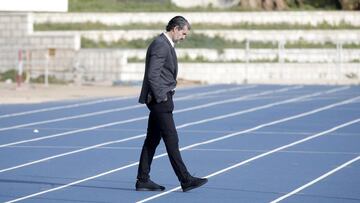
[{"x": 170, "y": 40}]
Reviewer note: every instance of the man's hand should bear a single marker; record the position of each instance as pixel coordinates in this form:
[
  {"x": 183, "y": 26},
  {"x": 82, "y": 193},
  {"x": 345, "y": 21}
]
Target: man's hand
[{"x": 165, "y": 99}]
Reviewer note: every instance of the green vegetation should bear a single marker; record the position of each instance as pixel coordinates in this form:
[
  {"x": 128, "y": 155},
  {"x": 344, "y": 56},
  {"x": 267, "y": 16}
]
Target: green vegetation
[
  {"x": 205, "y": 26},
  {"x": 352, "y": 75},
  {"x": 351, "y": 46},
  {"x": 218, "y": 43},
  {"x": 10, "y": 74},
  {"x": 193, "y": 41},
  {"x": 201, "y": 59},
  {"x": 276, "y": 26},
  {"x": 203, "y": 41},
  {"x": 198, "y": 59},
  {"x": 135, "y": 60},
  {"x": 74, "y": 26},
  {"x": 308, "y": 45},
  {"x": 167, "y": 6},
  {"x": 51, "y": 80},
  {"x": 121, "y": 5},
  {"x": 355, "y": 61},
  {"x": 134, "y": 44},
  {"x": 138, "y": 6},
  {"x": 314, "y": 4}
]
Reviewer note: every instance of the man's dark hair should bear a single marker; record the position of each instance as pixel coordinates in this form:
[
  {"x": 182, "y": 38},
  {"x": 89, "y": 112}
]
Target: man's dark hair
[{"x": 177, "y": 21}]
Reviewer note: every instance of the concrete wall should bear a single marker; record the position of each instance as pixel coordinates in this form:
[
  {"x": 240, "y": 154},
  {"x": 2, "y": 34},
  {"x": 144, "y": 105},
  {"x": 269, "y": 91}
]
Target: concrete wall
[
  {"x": 34, "y": 5},
  {"x": 108, "y": 65},
  {"x": 14, "y": 25},
  {"x": 298, "y": 17},
  {"x": 289, "y": 55},
  {"x": 100, "y": 65},
  {"x": 274, "y": 73},
  {"x": 315, "y": 36},
  {"x": 205, "y": 3},
  {"x": 16, "y": 33}
]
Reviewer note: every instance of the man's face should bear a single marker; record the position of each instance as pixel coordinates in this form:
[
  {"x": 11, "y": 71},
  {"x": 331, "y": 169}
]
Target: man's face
[{"x": 179, "y": 34}]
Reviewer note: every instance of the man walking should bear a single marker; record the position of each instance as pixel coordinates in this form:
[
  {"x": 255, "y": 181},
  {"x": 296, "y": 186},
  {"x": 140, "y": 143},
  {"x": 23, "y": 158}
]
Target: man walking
[{"x": 157, "y": 92}]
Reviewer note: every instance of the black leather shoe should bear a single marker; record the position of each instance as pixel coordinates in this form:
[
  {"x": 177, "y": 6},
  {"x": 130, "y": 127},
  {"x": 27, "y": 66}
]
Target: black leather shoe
[
  {"x": 148, "y": 185},
  {"x": 193, "y": 183}
]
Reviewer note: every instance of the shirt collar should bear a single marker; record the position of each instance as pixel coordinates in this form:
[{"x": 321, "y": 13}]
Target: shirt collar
[{"x": 170, "y": 40}]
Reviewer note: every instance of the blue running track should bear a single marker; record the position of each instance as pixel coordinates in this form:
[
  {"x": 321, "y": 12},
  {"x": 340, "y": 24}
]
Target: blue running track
[{"x": 255, "y": 143}]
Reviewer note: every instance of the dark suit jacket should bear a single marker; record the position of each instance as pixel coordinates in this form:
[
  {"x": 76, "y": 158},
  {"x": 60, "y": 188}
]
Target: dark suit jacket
[{"x": 160, "y": 70}]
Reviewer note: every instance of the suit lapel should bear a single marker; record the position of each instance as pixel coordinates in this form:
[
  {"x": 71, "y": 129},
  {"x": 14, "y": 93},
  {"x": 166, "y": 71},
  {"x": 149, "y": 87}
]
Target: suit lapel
[
  {"x": 175, "y": 61},
  {"x": 173, "y": 54}
]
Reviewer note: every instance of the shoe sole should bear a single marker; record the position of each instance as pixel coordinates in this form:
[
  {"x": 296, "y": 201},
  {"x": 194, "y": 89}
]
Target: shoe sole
[
  {"x": 147, "y": 189},
  {"x": 193, "y": 187}
]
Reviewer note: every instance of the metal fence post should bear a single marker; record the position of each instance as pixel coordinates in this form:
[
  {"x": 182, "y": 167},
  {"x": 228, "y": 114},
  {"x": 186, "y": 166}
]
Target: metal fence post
[
  {"x": 281, "y": 47},
  {"x": 46, "y": 68},
  {"x": 20, "y": 68},
  {"x": 247, "y": 60},
  {"x": 339, "y": 51}
]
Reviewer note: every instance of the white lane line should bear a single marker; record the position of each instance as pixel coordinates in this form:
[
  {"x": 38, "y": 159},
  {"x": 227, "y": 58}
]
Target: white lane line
[
  {"x": 242, "y": 98},
  {"x": 189, "y": 147},
  {"x": 199, "y": 132},
  {"x": 74, "y": 131},
  {"x": 269, "y": 105},
  {"x": 145, "y": 117},
  {"x": 72, "y": 117},
  {"x": 85, "y": 103},
  {"x": 229, "y": 150},
  {"x": 280, "y": 132},
  {"x": 219, "y": 91},
  {"x": 72, "y": 152},
  {"x": 63, "y": 107},
  {"x": 178, "y": 127},
  {"x": 81, "y": 104},
  {"x": 75, "y": 147},
  {"x": 193, "y": 149},
  {"x": 143, "y": 135},
  {"x": 316, "y": 180},
  {"x": 119, "y": 109},
  {"x": 259, "y": 156}
]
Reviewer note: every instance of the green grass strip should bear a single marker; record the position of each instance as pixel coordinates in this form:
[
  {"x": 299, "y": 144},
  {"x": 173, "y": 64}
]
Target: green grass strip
[
  {"x": 203, "y": 26},
  {"x": 218, "y": 43}
]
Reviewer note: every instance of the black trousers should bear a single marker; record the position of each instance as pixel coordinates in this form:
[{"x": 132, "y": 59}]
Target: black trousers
[{"x": 161, "y": 125}]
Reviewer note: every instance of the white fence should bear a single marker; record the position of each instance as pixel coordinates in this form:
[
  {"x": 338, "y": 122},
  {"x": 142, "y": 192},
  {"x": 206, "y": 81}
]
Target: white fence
[
  {"x": 314, "y": 36},
  {"x": 65, "y": 65},
  {"x": 298, "y": 17},
  {"x": 255, "y": 66}
]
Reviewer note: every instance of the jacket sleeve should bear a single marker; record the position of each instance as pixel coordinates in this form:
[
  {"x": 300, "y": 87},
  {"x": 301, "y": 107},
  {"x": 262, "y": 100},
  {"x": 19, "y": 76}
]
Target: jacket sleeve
[{"x": 158, "y": 55}]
